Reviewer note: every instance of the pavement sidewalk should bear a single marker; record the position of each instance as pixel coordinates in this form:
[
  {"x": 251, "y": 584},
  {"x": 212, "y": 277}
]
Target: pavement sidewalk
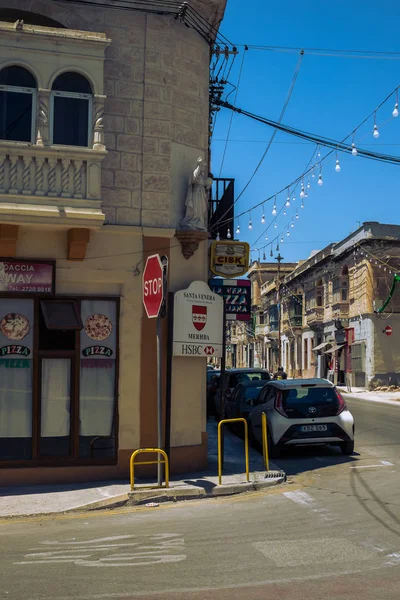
[
  {"x": 59, "y": 498},
  {"x": 363, "y": 394}
]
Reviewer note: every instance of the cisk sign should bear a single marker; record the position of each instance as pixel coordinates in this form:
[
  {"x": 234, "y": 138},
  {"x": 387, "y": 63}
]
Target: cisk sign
[{"x": 198, "y": 321}]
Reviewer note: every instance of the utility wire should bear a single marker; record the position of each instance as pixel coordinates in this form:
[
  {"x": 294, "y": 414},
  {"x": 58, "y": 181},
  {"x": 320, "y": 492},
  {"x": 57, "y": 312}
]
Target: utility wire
[
  {"x": 288, "y": 97},
  {"x": 231, "y": 118}
]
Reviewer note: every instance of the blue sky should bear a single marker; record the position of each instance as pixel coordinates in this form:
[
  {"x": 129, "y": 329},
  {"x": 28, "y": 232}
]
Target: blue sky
[{"x": 332, "y": 95}]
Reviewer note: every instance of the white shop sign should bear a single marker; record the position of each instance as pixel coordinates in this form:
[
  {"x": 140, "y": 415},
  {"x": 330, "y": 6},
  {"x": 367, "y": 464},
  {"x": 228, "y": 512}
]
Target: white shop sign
[{"x": 198, "y": 321}]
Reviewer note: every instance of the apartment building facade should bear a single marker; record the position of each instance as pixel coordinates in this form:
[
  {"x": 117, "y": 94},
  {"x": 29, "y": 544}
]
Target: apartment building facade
[
  {"x": 103, "y": 115},
  {"x": 322, "y": 319}
]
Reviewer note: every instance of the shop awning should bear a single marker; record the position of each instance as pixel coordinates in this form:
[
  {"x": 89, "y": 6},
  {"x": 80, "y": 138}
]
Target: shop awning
[
  {"x": 334, "y": 348},
  {"x": 323, "y": 345}
]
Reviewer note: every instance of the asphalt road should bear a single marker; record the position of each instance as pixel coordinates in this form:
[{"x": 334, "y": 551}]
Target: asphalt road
[{"x": 332, "y": 533}]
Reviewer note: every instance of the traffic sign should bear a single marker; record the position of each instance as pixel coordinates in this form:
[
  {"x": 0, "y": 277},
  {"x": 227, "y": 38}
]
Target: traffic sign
[
  {"x": 388, "y": 330},
  {"x": 153, "y": 286}
]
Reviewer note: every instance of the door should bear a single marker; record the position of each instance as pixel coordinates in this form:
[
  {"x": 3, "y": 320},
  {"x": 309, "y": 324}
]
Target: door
[{"x": 55, "y": 401}]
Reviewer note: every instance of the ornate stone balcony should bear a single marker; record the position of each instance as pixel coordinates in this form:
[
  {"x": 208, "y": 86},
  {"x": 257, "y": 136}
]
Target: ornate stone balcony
[
  {"x": 315, "y": 316},
  {"x": 58, "y": 185}
]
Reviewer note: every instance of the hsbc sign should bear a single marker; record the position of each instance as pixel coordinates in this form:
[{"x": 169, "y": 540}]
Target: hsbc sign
[{"x": 198, "y": 322}]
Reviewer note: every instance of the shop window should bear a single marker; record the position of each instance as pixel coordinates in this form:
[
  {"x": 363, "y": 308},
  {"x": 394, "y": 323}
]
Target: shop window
[
  {"x": 17, "y": 104},
  {"x": 71, "y": 110},
  {"x": 16, "y": 354}
]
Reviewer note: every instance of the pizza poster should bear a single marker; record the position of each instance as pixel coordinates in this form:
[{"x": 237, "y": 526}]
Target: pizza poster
[
  {"x": 16, "y": 332},
  {"x": 99, "y": 333}
]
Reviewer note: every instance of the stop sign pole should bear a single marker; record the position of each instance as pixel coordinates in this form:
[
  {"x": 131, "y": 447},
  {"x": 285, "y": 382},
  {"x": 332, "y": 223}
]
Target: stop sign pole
[{"x": 154, "y": 301}]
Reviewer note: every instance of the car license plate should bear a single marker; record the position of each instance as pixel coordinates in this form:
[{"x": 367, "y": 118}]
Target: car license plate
[{"x": 314, "y": 428}]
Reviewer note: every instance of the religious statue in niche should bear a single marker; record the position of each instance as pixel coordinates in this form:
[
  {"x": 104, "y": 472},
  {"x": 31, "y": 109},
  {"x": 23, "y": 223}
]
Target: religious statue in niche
[{"x": 196, "y": 203}]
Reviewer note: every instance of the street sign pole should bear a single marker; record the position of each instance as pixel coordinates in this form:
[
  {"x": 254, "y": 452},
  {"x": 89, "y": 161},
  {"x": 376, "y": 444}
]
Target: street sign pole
[
  {"x": 159, "y": 399},
  {"x": 154, "y": 290}
]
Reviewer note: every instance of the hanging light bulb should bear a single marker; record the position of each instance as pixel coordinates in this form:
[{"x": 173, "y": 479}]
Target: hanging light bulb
[
  {"x": 302, "y": 205},
  {"x": 238, "y": 229},
  {"x": 274, "y": 208},
  {"x": 271, "y": 253},
  {"x": 395, "y": 112},
  {"x": 282, "y": 240},
  {"x": 308, "y": 184},
  {"x": 263, "y": 217},
  {"x": 284, "y": 212},
  {"x": 288, "y": 232},
  {"x": 294, "y": 198},
  {"x": 297, "y": 215},
  {"x": 376, "y": 132},
  {"x": 218, "y": 237},
  {"x": 264, "y": 257},
  {"x": 287, "y": 203},
  {"x": 228, "y": 234},
  {"x": 275, "y": 225},
  {"x": 250, "y": 223},
  {"x": 320, "y": 182},
  {"x": 306, "y": 195},
  {"x": 312, "y": 173},
  {"x": 266, "y": 238},
  {"x": 292, "y": 225},
  {"x": 302, "y": 193},
  {"x": 277, "y": 247},
  {"x": 337, "y": 166},
  {"x": 354, "y": 149},
  {"x": 318, "y": 152}
]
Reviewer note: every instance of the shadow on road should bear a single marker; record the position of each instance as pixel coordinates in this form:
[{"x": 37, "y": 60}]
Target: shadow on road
[{"x": 391, "y": 518}]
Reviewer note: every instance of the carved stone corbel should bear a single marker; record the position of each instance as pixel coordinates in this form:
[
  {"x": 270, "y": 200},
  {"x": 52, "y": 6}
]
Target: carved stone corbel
[
  {"x": 98, "y": 123},
  {"x": 190, "y": 240},
  {"x": 42, "y": 132}
]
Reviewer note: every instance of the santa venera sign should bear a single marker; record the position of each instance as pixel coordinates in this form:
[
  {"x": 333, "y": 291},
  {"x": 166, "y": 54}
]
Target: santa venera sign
[{"x": 198, "y": 321}]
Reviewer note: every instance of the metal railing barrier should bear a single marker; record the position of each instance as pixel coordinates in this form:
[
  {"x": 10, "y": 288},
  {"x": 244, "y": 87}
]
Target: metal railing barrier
[
  {"x": 149, "y": 462},
  {"x": 265, "y": 440},
  {"x": 246, "y": 446}
]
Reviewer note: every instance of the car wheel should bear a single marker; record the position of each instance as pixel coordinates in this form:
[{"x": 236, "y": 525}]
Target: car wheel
[
  {"x": 347, "y": 447},
  {"x": 274, "y": 450}
]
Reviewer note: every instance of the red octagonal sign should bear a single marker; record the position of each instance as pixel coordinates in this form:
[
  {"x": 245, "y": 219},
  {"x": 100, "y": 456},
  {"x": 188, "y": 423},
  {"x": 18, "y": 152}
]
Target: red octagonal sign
[{"x": 153, "y": 286}]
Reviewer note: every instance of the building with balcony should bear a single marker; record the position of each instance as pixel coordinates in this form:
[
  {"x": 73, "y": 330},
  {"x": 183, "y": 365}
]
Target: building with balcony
[
  {"x": 103, "y": 115},
  {"x": 325, "y": 311}
]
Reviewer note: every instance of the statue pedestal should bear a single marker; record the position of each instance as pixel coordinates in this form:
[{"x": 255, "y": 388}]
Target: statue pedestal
[{"x": 190, "y": 240}]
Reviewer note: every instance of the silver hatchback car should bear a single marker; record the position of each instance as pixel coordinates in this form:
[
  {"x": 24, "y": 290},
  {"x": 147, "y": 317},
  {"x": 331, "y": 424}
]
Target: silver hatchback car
[{"x": 302, "y": 412}]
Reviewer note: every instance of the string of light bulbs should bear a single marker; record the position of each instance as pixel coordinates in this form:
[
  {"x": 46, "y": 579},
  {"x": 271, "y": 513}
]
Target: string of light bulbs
[{"x": 334, "y": 146}]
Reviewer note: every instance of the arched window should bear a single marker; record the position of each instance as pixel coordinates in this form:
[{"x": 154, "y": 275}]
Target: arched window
[
  {"x": 71, "y": 110},
  {"x": 17, "y": 104}
]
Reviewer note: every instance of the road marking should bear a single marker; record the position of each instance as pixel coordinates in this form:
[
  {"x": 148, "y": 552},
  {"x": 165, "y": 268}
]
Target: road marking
[
  {"x": 383, "y": 463},
  {"x": 139, "y": 550},
  {"x": 305, "y": 499}
]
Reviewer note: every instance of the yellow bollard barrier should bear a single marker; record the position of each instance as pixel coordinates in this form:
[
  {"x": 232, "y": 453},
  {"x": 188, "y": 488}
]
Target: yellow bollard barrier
[
  {"x": 265, "y": 440},
  {"x": 148, "y": 462},
  {"x": 246, "y": 446}
]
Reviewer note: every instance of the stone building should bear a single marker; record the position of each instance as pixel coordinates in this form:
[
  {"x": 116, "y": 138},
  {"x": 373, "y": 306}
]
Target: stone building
[
  {"x": 103, "y": 115},
  {"x": 325, "y": 311}
]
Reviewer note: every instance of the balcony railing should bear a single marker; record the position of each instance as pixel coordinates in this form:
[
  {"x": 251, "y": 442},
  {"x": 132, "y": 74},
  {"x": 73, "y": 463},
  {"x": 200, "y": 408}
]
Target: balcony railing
[
  {"x": 33, "y": 173},
  {"x": 340, "y": 310},
  {"x": 315, "y": 316},
  {"x": 296, "y": 321}
]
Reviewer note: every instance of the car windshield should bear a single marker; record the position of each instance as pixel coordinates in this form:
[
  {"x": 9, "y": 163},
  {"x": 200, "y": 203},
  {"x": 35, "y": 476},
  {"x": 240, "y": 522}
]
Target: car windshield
[{"x": 308, "y": 396}]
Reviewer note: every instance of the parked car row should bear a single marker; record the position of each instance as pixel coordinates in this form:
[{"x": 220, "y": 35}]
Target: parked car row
[{"x": 298, "y": 411}]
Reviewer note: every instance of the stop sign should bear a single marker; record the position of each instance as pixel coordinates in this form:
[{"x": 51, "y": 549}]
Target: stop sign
[
  {"x": 388, "y": 330},
  {"x": 153, "y": 286}
]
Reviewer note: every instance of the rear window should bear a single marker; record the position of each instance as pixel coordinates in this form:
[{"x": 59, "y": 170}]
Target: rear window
[
  {"x": 313, "y": 396},
  {"x": 243, "y": 377}
]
